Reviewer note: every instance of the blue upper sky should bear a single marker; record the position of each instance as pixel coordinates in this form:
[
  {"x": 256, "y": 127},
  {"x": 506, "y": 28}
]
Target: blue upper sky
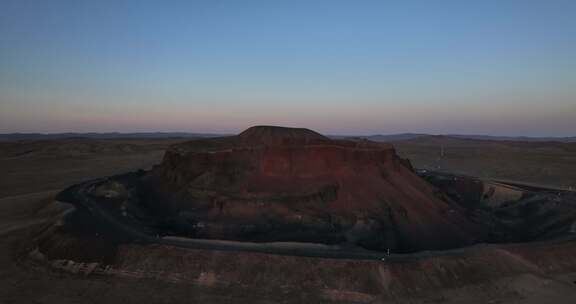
[{"x": 501, "y": 67}]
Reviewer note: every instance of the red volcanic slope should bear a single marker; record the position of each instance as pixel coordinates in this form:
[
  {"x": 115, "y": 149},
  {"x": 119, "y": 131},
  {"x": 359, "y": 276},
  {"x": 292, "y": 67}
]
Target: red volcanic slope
[{"x": 271, "y": 179}]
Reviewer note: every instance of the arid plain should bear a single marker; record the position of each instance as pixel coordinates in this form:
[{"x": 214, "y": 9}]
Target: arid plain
[{"x": 34, "y": 171}]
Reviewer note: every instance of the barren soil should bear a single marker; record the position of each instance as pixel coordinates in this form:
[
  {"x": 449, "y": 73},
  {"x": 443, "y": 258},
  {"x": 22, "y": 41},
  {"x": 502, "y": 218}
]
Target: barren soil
[
  {"x": 32, "y": 172},
  {"x": 543, "y": 163}
]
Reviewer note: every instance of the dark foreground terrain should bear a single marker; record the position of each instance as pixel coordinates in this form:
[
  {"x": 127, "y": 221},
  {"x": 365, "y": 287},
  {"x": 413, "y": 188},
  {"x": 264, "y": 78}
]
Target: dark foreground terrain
[{"x": 33, "y": 172}]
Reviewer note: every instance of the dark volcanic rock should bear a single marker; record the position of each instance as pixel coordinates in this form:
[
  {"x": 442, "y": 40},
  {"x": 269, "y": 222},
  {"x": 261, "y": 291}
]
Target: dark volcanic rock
[
  {"x": 286, "y": 184},
  {"x": 273, "y": 135}
]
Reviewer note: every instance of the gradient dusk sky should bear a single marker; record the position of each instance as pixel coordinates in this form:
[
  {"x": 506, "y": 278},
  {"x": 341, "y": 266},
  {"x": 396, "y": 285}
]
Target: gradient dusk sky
[{"x": 497, "y": 67}]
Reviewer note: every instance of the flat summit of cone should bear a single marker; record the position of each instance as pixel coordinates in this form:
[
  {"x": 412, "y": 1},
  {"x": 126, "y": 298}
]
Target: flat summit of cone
[{"x": 279, "y": 135}]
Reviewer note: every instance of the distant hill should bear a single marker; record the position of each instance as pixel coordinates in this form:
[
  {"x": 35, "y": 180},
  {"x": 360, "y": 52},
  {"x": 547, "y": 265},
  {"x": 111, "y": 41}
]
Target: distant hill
[
  {"x": 378, "y": 137},
  {"x": 394, "y": 137},
  {"x": 111, "y": 135},
  {"x": 411, "y": 136},
  {"x": 518, "y": 138}
]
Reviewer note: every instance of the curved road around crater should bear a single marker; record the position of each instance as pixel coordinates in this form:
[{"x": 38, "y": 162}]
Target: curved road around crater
[{"x": 79, "y": 197}]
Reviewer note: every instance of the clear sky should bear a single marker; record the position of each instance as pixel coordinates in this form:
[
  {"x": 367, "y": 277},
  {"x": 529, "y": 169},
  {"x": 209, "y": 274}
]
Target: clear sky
[{"x": 498, "y": 67}]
